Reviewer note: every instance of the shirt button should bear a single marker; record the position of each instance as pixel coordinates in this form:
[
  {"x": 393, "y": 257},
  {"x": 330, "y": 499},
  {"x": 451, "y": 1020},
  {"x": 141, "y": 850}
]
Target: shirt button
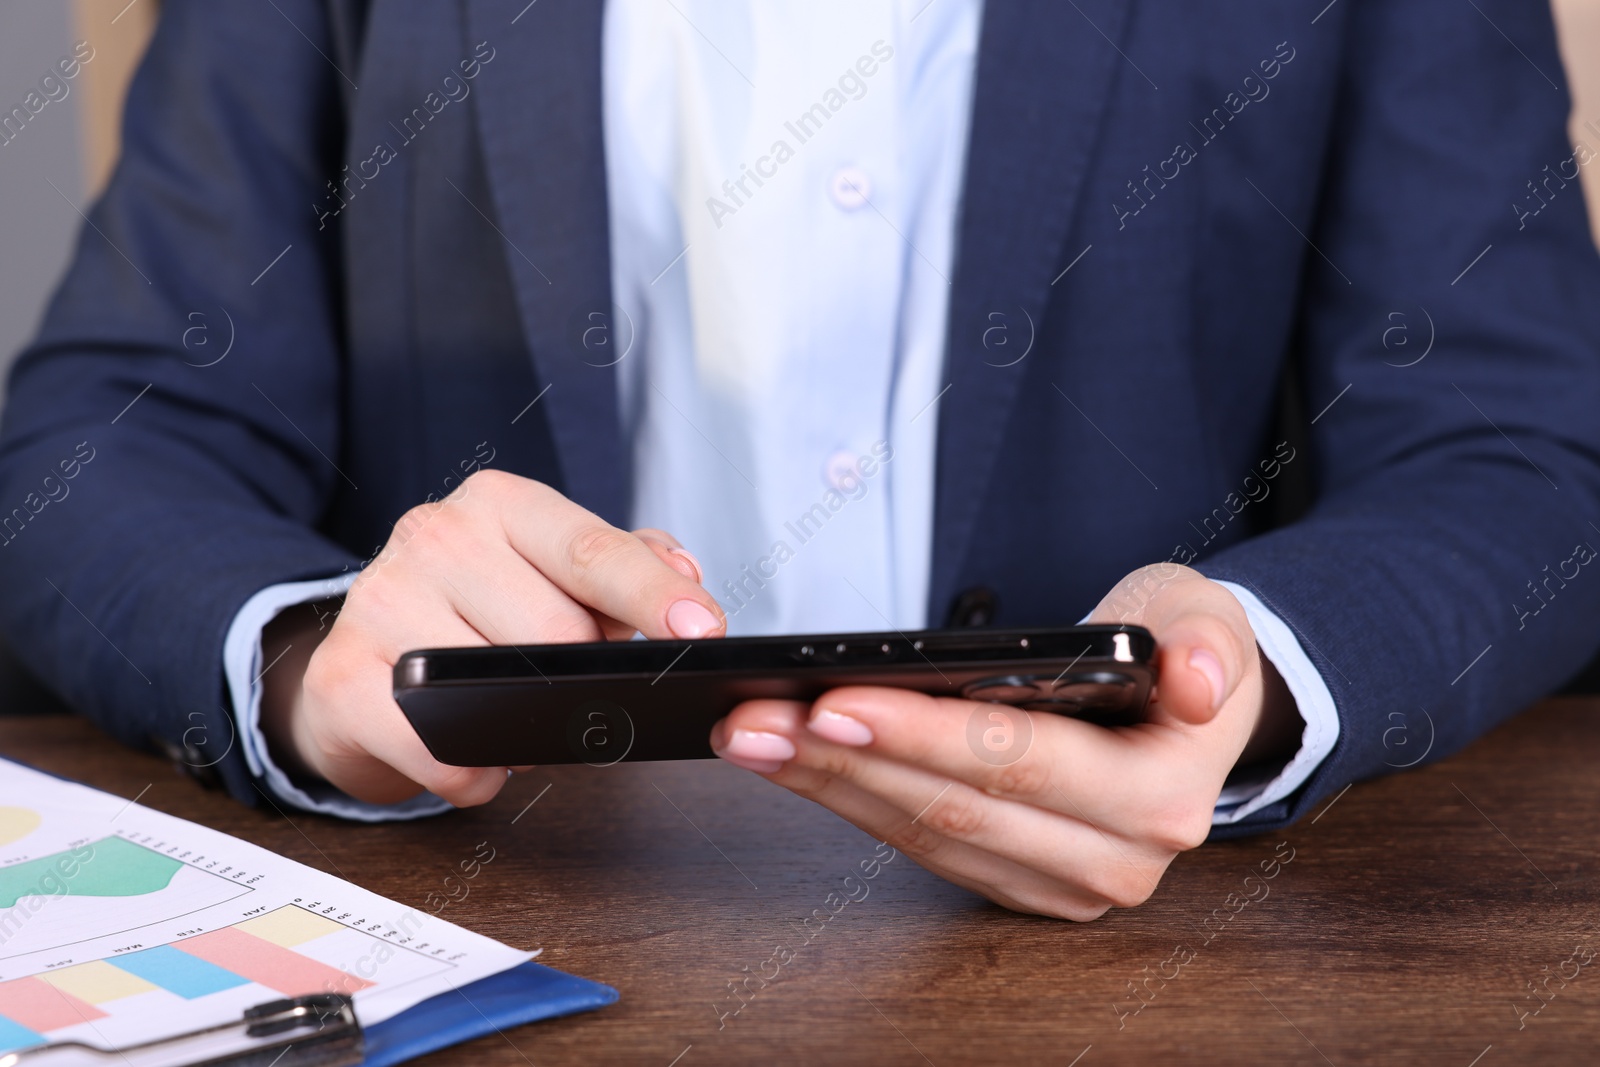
[
  {"x": 840, "y": 470},
  {"x": 850, "y": 188}
]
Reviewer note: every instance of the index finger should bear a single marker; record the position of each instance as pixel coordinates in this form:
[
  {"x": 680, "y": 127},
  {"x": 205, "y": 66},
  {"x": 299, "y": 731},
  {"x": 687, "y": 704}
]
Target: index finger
[{"x": 605, "y": 568}]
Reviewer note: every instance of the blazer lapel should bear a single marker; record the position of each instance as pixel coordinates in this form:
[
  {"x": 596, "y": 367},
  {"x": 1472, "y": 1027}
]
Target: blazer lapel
[
  {"x": 539, "y": 124},
  {"x": 1044, "y": 76}
]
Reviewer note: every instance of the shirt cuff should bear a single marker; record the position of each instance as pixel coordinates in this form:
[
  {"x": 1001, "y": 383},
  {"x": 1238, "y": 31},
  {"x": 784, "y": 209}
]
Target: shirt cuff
[
  {"x": 242, "y": 667},
  {"x": 1242, "y": 798}
]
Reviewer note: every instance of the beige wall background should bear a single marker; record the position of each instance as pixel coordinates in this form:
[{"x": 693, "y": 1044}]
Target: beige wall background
[
  {"x": 59, "y": 162},
  {"x": 62, "y": 161},
  {"x": 1579, "y": 24},
  {"x": 119, "y": 32}
]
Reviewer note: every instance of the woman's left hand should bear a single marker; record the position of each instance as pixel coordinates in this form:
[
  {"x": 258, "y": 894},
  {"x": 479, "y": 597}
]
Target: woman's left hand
[{"x": 1085, "y": 817}]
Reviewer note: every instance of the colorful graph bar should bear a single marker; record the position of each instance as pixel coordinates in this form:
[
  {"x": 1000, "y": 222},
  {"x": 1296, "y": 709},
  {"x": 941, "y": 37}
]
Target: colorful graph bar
[
  {"x": 14, "y": 1035},
  {"x": 289, "y": 926},
  {"x": 97, "y": 982},
  {"x": 178, "y": 972},
  {"x": 40, "y": 1006},
  {"x": 267, "y": 964}
]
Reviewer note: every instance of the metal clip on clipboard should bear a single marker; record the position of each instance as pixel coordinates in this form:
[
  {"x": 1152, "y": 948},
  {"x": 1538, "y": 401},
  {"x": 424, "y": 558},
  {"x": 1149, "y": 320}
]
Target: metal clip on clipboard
[{"x": 311, "y": 1031}]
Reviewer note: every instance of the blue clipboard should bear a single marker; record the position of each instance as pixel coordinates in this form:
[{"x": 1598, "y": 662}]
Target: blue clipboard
[{"x": 524, "y": 994}]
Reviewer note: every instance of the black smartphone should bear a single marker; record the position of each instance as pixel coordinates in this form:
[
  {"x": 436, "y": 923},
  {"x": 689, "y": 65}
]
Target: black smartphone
[{"x": 657, "y": 700}]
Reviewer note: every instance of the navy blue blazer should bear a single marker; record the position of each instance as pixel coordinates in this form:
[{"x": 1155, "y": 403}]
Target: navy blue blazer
[{"x": 332, "y": 266}]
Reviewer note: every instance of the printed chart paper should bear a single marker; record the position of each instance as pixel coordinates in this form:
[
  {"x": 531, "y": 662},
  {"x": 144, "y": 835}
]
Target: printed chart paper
[{"x": 121, "y": 925}]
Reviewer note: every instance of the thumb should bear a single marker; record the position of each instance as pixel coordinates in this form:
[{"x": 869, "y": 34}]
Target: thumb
[
  {"x": 1200, "y": 664},
  {"x": 467, "y": 787},
  {"x": 1205, "y": 648}
]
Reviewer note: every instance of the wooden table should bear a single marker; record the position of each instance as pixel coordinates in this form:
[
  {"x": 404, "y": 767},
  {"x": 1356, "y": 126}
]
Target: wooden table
[{"x": 1409, "y": 926}]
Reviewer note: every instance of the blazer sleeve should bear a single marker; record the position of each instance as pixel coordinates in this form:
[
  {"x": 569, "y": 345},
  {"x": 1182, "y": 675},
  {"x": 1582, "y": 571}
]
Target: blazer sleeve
[
  {"x": 188, "y": 375},
  {"x": 1446, "y": 576}
]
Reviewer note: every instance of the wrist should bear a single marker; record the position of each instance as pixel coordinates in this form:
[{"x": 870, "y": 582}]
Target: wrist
[
  {"x": 287, "y": 644},
  {"x": 1276, "y": 735}
]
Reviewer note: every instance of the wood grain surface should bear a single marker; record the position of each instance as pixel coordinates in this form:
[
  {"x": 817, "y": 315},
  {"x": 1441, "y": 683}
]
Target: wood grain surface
[{"x": 1422, "y": 918}]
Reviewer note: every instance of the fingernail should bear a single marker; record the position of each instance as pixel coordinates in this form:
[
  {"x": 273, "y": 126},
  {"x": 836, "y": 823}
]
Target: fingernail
[
  {"x": 690, "y": 619},
  {"x": 840, "y": 729},
  {"x": 1206, "y": 662},
  {"x": 699, "y": 572},
  {"x": 757, "y": 750},
  {"x": 760, "y": 766}
]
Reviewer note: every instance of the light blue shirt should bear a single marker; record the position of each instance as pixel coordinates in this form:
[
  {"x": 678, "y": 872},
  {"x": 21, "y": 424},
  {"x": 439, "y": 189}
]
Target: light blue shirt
[{"x": 784, "y": 181}]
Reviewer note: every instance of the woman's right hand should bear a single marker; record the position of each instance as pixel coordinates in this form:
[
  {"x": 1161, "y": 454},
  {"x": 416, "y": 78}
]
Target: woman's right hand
[{"x": 502, "y": 560}]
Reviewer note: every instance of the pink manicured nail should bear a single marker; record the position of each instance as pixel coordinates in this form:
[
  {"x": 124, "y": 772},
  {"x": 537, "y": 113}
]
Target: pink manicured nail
[
  {"x": 1206, "y": 662},
  {"x": 840, "y": 729},
  {"x": 757, "y": 750},
  {"x": 689, "y": 619},
  {"x": 699, "y": 571},
  {"x": 760, "y": 766}
]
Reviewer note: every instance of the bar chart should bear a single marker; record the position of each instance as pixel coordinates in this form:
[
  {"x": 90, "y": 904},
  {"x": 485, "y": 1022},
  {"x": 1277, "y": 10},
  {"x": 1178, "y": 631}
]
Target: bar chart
[
  {"x": 289, "y": 951},
  {"x": 122, "y": 926}
]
